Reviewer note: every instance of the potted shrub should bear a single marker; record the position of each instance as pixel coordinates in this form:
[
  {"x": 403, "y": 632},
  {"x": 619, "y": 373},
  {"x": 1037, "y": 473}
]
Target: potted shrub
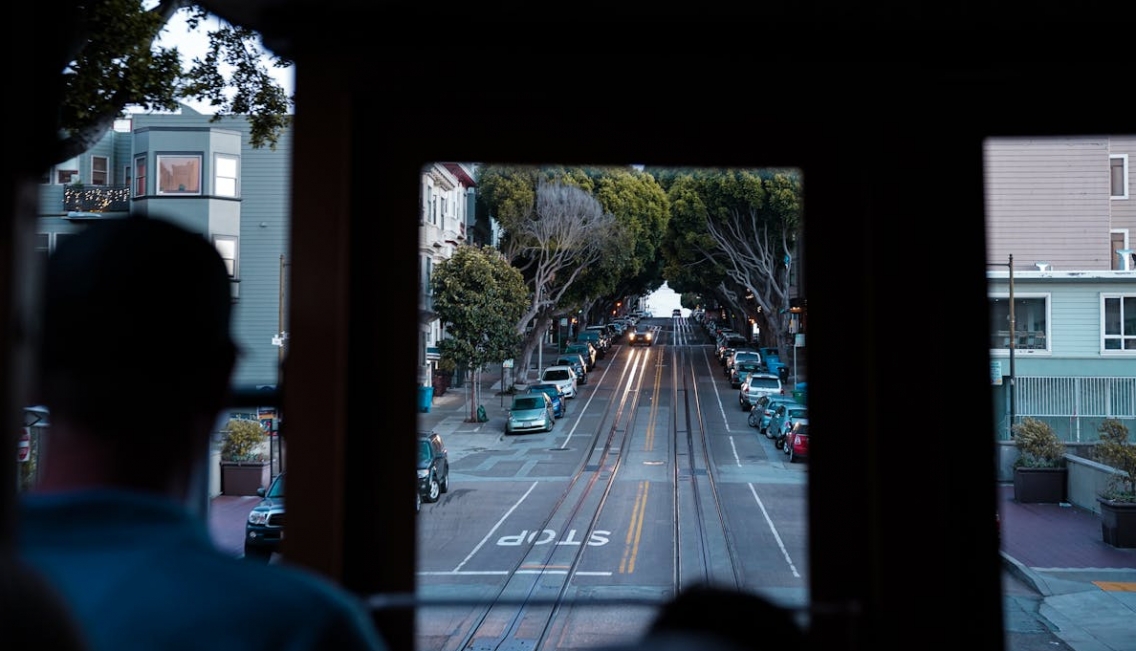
[
  {"x": 1118, "y": 502},
  {"x": 444, "y": 375},
  {"x": 1039, "y": 471},
  {"x": 243, "y": 467}
]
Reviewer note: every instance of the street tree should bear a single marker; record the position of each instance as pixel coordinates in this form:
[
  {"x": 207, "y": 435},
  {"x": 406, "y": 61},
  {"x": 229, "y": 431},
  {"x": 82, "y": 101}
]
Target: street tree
[
  {"x": 554, "y": 231},
  {"x": 754, "y": 218},
  {"x": 733, "y": 234},
  {"x": 691, "y": 261},
  {"x": 478, "y": 297},
  {"x": 107, "y": 60},
  {"x": 631, "y": 263}
]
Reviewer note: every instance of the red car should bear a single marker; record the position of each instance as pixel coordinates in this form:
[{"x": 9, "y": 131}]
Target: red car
[{"x": 797, "y": 441}]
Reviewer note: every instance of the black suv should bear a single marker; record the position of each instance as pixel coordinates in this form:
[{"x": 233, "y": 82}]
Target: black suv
[
  {"x": 264, "y": 528},
  {"x": 433, "y": 466}
]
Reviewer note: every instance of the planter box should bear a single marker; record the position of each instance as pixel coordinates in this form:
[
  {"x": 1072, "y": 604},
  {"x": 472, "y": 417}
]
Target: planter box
[
  {"x": 243, "y": 477},
  {"x": 1039, "y": 485},
  {"x": 1118, "y": 522}
]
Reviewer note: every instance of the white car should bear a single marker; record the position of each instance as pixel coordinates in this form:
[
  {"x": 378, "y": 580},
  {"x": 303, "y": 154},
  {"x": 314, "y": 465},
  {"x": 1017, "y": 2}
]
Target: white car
[
  {"x": 563, "y": 377},
  {"x": 757, "y": 385}
]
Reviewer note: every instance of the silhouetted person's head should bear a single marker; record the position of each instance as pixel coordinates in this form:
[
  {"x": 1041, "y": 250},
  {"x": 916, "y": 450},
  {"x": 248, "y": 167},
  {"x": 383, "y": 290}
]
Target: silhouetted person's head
[
  {"x": 136, "y": 344},
  {"x": 727, "y": 618}
]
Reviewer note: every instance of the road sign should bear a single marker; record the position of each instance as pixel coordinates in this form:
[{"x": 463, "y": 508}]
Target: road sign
[{"x": 24, "y": 447}]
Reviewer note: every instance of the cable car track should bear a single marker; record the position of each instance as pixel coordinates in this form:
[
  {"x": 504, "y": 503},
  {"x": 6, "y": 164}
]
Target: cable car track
[{"x": 528, "y": 609}]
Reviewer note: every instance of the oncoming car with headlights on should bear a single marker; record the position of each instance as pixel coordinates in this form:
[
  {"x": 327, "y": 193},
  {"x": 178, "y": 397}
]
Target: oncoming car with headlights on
[{"x": 641, "y": 337}]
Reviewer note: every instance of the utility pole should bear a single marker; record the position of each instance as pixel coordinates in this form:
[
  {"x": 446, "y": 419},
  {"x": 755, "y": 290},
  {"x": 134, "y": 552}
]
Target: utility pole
[
  {"x": 281, "y": 340},
  {"x": 1013, "y": 345}
]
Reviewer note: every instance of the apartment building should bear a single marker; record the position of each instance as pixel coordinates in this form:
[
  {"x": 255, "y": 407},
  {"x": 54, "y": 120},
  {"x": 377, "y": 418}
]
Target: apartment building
[
  {"x": 1060, "y": 218},
  {"x": 206, "y": 176}
]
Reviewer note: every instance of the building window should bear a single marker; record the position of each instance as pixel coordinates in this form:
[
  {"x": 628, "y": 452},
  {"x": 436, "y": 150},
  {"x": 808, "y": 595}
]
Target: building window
[
  {"x": 126, "y": 175},
  {"x": 1118, "y": 176},
  {"x": 227, "y": 247},
  {"x": 1118, "y": 313},
  {"x": 140, "y": 176},
  {"x": 1118, "y": 243},
  {"x": 225, "y": 169},
  {"x": 100, "y": 170},
  {"x": 180, "y": 174},
  {"x": 1031, "y": 321},
  {"x": 67, "y": 172}
]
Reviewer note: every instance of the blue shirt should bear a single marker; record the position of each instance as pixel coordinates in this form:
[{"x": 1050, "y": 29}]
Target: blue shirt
[{"x": 141, "y": 572}]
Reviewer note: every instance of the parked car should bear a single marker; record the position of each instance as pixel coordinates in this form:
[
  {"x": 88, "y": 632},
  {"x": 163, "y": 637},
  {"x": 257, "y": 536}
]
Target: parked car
[
  {"x": 586, "y": 350},
  {"x": 742, "y": 355},
  {"x": 563, "y": 377},
  {"x": 755, "y": 386},
  {"x": 616, "y": 328},
  {"x": 264, "y": 527},
  {"x": 762, "y": 411},
  {"x": 796, "y": 444},
  {"x": 595, "y": 339},
  {"x": 433, "y": 466},
  {"x": 784, "y": 415},
  {"x": 742, "y": 370},
  {"x": 730, "y": 340},
  {"x": 605, "y": 335},
  {"x": 530, "y": 412},
  {"x": 641, "y": 337},
  {"x": 559, "y": 402},
  {"x": 578, "y": 364}
]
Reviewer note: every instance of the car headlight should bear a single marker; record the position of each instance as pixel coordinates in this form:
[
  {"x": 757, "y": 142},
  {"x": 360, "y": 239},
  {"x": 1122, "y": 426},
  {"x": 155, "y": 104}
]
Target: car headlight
[
  {"x": 258, "y": 517},
  {"x": 423, "y": 473}
]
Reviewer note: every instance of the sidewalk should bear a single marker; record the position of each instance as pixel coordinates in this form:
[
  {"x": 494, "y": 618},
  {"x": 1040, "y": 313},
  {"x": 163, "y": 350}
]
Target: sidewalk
[{"x": 1088, "y": 587}]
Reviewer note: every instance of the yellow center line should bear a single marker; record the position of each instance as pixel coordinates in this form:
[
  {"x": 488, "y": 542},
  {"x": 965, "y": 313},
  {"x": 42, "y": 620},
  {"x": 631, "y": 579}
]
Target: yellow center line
[
  {"x": 634, "y": 530},
  {"x": 1116, "y": 586}
]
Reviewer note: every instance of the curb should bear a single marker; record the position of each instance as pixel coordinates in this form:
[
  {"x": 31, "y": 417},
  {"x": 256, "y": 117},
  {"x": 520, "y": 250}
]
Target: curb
[{"x": 1025, "y": 574}]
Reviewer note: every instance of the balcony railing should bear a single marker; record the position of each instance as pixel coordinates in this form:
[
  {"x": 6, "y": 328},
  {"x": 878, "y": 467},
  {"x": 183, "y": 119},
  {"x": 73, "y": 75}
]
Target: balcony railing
[
  {"x": 96, "y": 198},
  {"x": 1026, "y": 339}
]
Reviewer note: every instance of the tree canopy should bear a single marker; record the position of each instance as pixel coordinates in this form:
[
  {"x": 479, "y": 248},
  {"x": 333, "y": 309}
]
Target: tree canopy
[
  {"x": 110, "y": 61},
  {"x": 736, "y": 231}
]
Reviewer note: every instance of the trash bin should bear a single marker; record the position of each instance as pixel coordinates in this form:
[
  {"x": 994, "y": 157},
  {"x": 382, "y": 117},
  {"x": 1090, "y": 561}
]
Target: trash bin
[
  {"x": 425, "y": 397},
  {"x": 801, "y": 393}
]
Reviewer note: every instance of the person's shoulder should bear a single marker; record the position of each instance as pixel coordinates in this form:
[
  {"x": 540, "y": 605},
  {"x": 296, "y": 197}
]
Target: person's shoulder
[{"x": 331, "y": 615}]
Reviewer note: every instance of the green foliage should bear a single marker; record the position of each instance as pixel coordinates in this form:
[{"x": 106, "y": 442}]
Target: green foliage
[
  {"x": 631, "y": 259},
  {"x": 242, "y": 439},
  {"x": 1115, "y": 450},
  {"x": 756, "y": 212},
  {"x": 479, "y": 298},
  {"x": 114, "y": 64},
  {"x": 1038, "y": 445}
]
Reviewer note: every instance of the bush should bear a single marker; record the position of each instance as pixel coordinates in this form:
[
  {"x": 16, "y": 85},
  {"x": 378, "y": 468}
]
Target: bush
[
  {"x": 242, "y": 439},
  {"x": 1038, "y": 445},
  {"x": 1115, "y": 450}
]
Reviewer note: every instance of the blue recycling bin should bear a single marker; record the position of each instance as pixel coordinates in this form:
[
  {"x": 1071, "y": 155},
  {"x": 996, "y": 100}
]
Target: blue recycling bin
[{"x": 425, "y": 397}]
